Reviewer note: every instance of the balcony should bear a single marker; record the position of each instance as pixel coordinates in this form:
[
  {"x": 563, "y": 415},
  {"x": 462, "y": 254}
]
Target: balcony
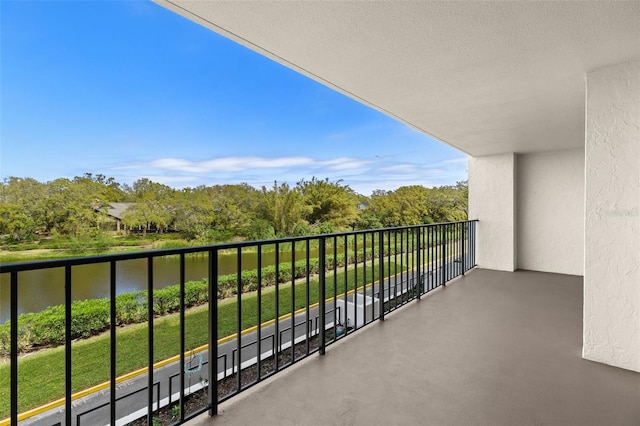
[
  {"x": 498, "y": 348},
  {"x": 434, "y": 346}
]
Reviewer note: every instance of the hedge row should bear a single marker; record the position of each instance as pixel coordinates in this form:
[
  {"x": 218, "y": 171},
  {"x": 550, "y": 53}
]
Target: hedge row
[{"x": 91, "y": 317}]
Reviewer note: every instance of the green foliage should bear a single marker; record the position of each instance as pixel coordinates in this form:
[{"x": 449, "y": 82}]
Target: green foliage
[
  {"x": 413, "y": 205},
  {"x": 284, "y": 208},
  {"x": 368, "y": 220},
  {"x": 69, "y": 207},
  {"x": 330, "y": 203},
  {"x": 16, "y": 222},
  {"x": 75, "y": 210},
  {"x": 170, "y": 244},
  {"x": 260, "y": 229},
  {"x": 154, "y": 204}
]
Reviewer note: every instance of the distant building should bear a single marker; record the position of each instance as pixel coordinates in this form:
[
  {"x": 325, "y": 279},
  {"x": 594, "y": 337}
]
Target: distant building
[{"x": 115, "y": 212}]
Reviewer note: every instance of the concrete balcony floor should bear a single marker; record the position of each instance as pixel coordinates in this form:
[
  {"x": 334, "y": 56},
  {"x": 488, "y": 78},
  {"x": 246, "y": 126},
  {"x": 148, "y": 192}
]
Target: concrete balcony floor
[{"x": 492, "y": 348}]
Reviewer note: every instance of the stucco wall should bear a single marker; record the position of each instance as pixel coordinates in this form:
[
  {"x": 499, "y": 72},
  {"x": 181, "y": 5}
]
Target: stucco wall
[
  {"x": 550, "y": 211},
  {"x": 612, "y": 222},
  {"x": 492, "y": 201}
]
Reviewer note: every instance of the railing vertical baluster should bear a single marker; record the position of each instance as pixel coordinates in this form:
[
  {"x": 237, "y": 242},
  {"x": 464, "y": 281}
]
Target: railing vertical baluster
[
  {"x": 307, "y": 301},
  {"x": 355, "y": 283},
  {"x": 259, "y": 335},
  {"x": 182, "y": 336},
  {"x": 321, "y": 296},
  {"x": 381, "y": 273},
  {"x": 402, "y": 272},
  {"x": 464, "y": 255},
  {"x": 346, "y": 283},
  {"x": 213, "y": 332},
  {"x": 150, "y": 340},
  {"x": 239, "y": 318},
  {"x": 470, "y": 239},
  {"x": 429, "y": 258},
  {"x": 443, "y": 241},
  {"x": 418, "y": 264},
  {"x": 293, "y": 298},
  {"x": 459, "y": 246},
  {"x": 113, "y": 346},
  {"x": 335, "y": 286},
  {"x": 67, "y": 340},
  {"x": 475, "y": 235},
  {"x": 373, "y": 273},
  {"x": 408, "y": 260},
  {"x": 364, "y": 280},
  {"x": 14, "y": 347},
  {"x": 388, "y": 257},
  {"x": 395, "y": 265},
  {"x": 276, "y": 325}
]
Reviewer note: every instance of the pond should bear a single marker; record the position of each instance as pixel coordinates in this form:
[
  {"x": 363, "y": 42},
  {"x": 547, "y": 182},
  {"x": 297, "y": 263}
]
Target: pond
[{"x": 39, "y": 289}]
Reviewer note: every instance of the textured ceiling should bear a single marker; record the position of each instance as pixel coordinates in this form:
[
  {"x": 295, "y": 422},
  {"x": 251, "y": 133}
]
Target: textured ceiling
[{"x": 484, "y": 77}]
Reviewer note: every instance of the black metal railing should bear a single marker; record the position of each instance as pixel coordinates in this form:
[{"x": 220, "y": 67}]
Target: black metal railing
[{"x": 286, "y": 299}]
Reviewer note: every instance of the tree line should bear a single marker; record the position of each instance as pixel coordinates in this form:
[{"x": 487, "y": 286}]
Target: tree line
[{"x": 76, "y": 207}]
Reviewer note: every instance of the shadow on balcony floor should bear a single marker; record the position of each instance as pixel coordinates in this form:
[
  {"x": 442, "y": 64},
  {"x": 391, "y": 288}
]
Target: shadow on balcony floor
[{"x": 492, "y": 348}]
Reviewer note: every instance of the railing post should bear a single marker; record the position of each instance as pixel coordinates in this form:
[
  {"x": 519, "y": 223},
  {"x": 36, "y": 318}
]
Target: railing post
[
  {"x": 182, "y": 337},
  {"x": 112, "y": 343},
  {"x": 381, "y": 273},
  {"x": 149, "y": 340},
  {"x": 68, "y": 340},
  {"x": 322, "y": 314},
  {"x": 213, "y": 332},
  {"x": 14, "y": 347},
  {"x": 443, "y": 272}
]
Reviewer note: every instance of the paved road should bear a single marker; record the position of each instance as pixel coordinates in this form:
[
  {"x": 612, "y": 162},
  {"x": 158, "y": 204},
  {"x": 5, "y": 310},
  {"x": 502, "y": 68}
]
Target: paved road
[{"x": 132, "y": 394}]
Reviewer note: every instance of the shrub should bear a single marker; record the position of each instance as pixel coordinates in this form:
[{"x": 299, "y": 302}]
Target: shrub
[
  {"x": 131, "y": 308},
  {"x": 91, "y": 317}
]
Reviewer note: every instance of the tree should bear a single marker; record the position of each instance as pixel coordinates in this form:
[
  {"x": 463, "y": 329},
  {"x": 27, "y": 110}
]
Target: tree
[
  {"x": 402, "y": 207},
  {"x": 15, "y": 222},
  {"x": 415, "y": 204},
  {"x": 284, "y": 208},
  {"x": 234, "y": 207},
  {"x": 27, "y": 196},
  {"x": 449, "y": 203},
  {"x": 194, "y": 213},
  {"x": 329, "y": 202},
  {"x": 154, "y": 204}
]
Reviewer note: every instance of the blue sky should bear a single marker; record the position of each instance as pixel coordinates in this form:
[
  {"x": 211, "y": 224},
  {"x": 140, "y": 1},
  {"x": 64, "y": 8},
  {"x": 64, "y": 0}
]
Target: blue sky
[{"x": 131, "y": 90}]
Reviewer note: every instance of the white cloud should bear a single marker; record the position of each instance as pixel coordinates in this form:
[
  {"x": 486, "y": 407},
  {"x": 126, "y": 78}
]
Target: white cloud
[
  {"x": 237, "y": 164},
  {"x": 362, "y": 174},
  {"x": 457, "y": 160},
  {"x": 400, "y": 168},
  {"x": 345, "y": 163}
]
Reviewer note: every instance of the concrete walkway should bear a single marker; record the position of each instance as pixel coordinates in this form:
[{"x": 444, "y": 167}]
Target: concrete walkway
[{"x": 492, "y": 348}]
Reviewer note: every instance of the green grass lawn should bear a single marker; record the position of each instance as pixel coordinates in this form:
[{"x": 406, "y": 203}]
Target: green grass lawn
[{"x": 41, "y": 375}]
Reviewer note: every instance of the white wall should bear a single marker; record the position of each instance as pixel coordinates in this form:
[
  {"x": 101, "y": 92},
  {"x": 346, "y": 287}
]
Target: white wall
[
  {"x": 492, "y": 201},
  {"x": 612, "y": 222},
  {"x": 550, "y": 211}
]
